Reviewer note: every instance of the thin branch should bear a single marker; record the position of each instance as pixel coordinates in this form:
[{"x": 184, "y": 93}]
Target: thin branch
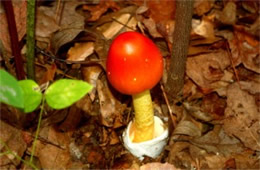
[{"x": 16, "y": 50}]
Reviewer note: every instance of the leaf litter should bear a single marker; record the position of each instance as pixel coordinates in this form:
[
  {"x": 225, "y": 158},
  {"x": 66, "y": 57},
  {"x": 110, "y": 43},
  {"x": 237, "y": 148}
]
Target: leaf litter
[{"x": 217, "y": 124}]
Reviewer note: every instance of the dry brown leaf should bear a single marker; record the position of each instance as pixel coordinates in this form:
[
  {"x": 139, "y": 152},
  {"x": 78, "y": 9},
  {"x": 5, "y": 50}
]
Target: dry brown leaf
[
  {"x": 158, "y": 165},
  {"x": 245, "y": 49},
  {"x": 97, "y": 10},
  {"x": 196, "y": 112},
  {"x": 20, "y": 8},
  {"x": 201, "y": 7},
  {"x": 218, "y": 142},
  {"x": 252, "y": 87},
  {"x": 206, "y": 69},
  {"x": 204, "y": 28},
  {"x": 54, "y": 155},
  {"x": 80, "y": 51},
  {"x": 229, "y": 14},
  {"x": 91, "y": 74},
  {"x": 110, "y": 107},
  {"x": 214, "y": 105},
  {"x": 13, "y": 138},
  {"x": 119, "y": 23},
  {"x": 49, "y": 74},
  {"x": 72, "y": 120},
  {"x": 179, "y": 155},
  {"x": 162, "y": 10},
  {"x": 45, "y": 24},
  {"x": 71, "y": 23},
  {"x": 216, "y": 161},
  {"x": 186, "y": 127},
  {"x": 242, "y": 117},
  {"x": 150, "y": 24},
  {"x": 113, "y": 138}
]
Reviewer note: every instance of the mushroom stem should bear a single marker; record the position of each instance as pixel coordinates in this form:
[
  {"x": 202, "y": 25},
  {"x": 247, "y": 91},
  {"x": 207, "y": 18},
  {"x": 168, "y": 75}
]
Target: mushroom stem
[{"x": 143, "y": 126}]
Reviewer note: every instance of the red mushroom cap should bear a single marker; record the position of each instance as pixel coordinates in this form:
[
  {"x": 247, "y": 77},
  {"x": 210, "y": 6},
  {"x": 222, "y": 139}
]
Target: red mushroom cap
[{"x": 134, "y": 63}]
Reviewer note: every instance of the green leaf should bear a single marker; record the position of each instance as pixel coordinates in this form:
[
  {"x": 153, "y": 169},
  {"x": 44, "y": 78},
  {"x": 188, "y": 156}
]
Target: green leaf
[
  {"x": 10, "y": 91},
  {"x": 32, "y": 95},
  {"x": 65, "y": 92}
]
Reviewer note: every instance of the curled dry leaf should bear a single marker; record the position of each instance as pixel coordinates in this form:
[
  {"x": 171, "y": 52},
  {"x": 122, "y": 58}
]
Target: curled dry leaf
[
  {"x": 201, "y": 7},
  {"x": 245, "y": 49},
  {"x": 91, "y": 74},
  {"x": 80, "y": 51},
  {"x": 45, "y": 24},
  {"x": 49, "y": 74},
  {"x": 242, "y": 117},
  {"x": 71, "y": 24},
  {"x": 207, "y": 68},
  {"x": 97, "y": 10},
  {"x": 229, "y": 13},
  {"x": 218, "y": 142},
  {"x": 204, "y": 28},
  {"x": 110, "y": 108},
  {"x": 252, "y": 87},
  {"x": 119, "y": 23},
  {"x": 214, "y": 105},
  {"x": 197, "y": 113},
  {"x": 20, "y": 8},
  {"x": 188, "y": 128}
]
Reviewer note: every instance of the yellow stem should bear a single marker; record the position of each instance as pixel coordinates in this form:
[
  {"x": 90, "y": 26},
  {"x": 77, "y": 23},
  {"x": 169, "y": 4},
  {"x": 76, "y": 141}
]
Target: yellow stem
[{"x": 143, "y": 125}]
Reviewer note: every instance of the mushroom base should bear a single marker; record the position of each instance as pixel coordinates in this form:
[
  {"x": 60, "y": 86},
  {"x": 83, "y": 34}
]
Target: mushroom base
[{"x": 151, "y": 148}]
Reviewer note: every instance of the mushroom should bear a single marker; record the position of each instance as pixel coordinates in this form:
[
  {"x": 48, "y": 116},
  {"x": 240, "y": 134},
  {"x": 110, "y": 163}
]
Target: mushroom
[{"x": 134, "y": 66}]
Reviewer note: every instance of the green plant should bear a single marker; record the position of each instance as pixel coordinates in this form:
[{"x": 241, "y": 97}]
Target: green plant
[{"x": 26, "y": 95}]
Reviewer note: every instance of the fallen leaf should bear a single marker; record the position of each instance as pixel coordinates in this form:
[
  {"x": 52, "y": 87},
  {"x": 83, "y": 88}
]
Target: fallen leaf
[
  {"x": 13, "y": 138},
  {"x": 187, "y": 128},
  {"x": 206, "y": 69},
  {"x": 119, "y": 23},
  {"x": 214, "y": 105},
  {"x": 54, "y": 154},
  {"x": 80, "y": 51},
  {"x": 72, "y": 120},
  {"x": 45, "y": 24},
  {"x": 91, "y": 75},
  {"x": 242, "y": 117},
  {"x": 158, "y": 165},
  {"x": 71, "y": 24},
  {"x": 99, "y": 9},
  {"x": 204, "y": 28},
  {"x": 20, "y": 14},
  {"x": 245, "y": 49},
  {"x": 201, "y": 7},
  {"x": 218, "y": 142},
  {"x": 110, "y": 107},
  {"x": 229, "y": 14},
  {"x": 49, "y": 74}
]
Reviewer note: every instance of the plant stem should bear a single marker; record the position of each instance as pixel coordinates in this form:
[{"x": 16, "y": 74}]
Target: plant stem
[
  {"x": 143, "y": 125},
  {"x": 37, "y": 130},
  {"x": 16, "y": 50},
  {"x": 30, "y": 40},
  {"x": 181, "y": 38}
]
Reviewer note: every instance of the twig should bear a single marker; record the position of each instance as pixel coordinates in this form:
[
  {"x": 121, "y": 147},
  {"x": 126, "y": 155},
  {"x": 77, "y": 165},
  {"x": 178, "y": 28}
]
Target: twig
[
  {"x": 173, "y": 117},
  {"x": 16, "y": 51}
]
